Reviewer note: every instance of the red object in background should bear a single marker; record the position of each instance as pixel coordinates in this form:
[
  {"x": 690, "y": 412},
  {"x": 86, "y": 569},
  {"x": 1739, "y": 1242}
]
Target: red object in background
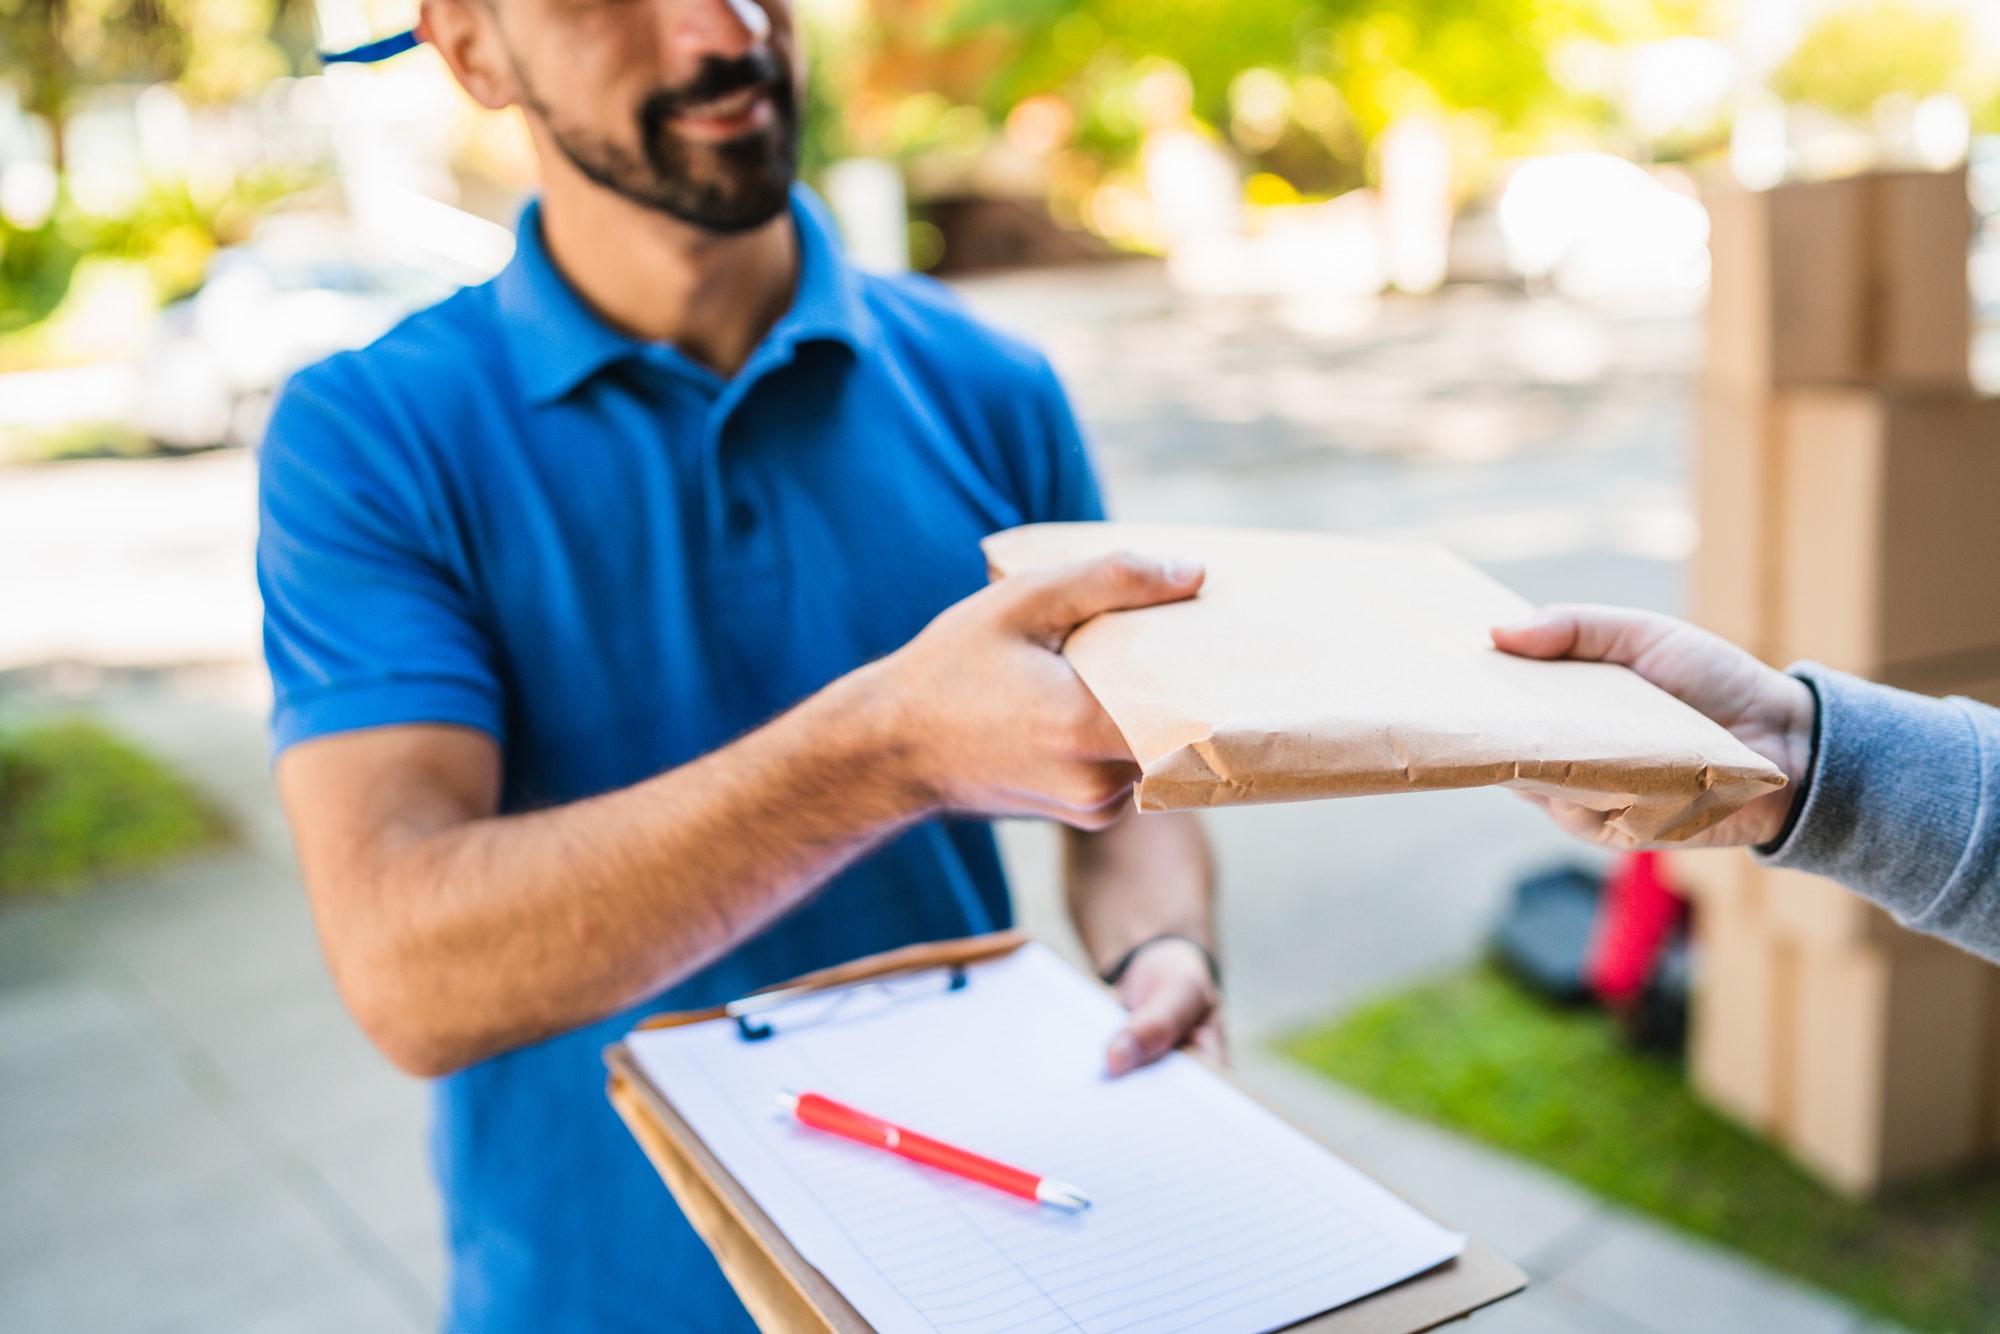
[{"x": 1635, "y": 923}]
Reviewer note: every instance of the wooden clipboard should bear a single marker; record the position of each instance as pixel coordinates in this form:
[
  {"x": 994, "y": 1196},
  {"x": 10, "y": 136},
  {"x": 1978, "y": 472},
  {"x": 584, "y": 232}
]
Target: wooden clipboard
[{"x": 785, "y": 1295}]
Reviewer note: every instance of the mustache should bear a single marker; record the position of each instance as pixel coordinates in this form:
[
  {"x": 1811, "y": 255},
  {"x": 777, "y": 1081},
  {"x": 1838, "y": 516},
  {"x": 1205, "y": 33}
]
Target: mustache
[{"x": 717, "y": 77}]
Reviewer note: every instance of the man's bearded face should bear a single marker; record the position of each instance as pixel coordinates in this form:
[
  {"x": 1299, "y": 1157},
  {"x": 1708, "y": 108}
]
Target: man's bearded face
[{"x": 718, "y": 151}]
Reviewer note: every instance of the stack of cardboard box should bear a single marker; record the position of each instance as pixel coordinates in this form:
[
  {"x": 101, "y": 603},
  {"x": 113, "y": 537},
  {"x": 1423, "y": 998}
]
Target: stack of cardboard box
[{"x": 1847, "y": 481}]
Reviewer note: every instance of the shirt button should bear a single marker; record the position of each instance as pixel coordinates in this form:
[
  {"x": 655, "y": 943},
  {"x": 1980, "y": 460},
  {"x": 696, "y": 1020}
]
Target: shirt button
[{"x": 742, "y": 516}]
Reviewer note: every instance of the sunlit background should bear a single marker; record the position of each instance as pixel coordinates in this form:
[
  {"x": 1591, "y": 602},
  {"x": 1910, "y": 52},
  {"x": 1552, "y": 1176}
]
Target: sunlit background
[{"x": 190, "y": 208}]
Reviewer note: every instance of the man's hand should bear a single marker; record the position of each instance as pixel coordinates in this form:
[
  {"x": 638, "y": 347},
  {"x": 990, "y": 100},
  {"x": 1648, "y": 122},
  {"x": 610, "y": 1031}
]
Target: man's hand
[
  {"x": 1174, "y": 1003},
  {"x": 989, "y": 717},
  {"x": 1766, "y": 710}
]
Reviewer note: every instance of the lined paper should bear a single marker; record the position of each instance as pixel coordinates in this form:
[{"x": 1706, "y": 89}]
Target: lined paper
[{"x": 1209, "y": 1213}]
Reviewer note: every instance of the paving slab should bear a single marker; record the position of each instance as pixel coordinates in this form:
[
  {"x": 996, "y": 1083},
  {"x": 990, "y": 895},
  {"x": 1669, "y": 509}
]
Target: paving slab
[
  {"x": 1546, "y": 1310},
  {"x": 1512, "y": 1206},
  {"x": 1670, "y": 1283}
]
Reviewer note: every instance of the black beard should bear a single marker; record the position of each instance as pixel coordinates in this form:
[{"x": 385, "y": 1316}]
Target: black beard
[{"x": 728, "y": 187}]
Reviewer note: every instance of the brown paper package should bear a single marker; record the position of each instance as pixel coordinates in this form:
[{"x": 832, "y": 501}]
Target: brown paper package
[{"x": 1316, "y": 666}]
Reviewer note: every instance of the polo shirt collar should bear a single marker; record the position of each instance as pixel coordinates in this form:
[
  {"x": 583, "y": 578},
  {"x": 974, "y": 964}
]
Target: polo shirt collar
[{"x": 557, "y": 342}]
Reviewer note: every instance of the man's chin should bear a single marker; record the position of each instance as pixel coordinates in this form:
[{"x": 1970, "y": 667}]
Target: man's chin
[
  {"x": 734, "y": 186},
  {"x": 741, "y": 207}
]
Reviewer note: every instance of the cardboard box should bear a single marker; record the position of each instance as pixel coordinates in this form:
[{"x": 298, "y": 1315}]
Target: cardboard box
[
  {"x": 1789, "y": 276},
  {"x": 1918, "y": 329},
  {"x": 1817, "y": 914},
  {"x": 1891, "y": 1061},
  {"x": 1856, "y": 281},
  {"x": 1870, "y": 1052},
  {"x": 1740, "y": 1026},
  {"x": 1943, "y": 678},
  {"x": 1845, "y": 480},
  {"x": 1702, "y": 874},
  {"x": 1732, "y": 575},
  {"x": 1888, "y": 564}
]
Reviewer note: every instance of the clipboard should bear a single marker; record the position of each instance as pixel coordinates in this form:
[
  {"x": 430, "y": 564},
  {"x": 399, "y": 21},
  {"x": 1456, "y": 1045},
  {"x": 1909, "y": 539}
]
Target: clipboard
[{"x": 786, "y": 1295}]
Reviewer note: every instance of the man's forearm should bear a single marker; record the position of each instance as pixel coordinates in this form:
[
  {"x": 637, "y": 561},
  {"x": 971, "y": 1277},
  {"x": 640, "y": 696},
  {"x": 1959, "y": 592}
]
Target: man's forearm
[
  {"x": 485, "y": 934},
  {"x": 1145, "y": 876}
]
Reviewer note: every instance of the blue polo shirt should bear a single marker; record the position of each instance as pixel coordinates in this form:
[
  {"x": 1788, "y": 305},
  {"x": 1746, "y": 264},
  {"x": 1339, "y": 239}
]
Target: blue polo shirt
[{"x": 508, "y": 516}]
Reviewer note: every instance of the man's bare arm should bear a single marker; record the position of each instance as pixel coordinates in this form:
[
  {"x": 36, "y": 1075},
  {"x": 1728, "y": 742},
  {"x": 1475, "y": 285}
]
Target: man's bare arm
[
  {"x": 1134, "y": 881},
  {"x": 455, "y": 933}
]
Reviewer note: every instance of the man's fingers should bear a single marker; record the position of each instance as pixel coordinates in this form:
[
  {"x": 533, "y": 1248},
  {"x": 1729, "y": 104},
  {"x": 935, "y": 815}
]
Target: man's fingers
[
  {"x": 1051, "y": 603},
  {"x": 1158, "y": 1025},
  {"x": 1585, "y": 631},
  {"x": 1208, "y": 1042}
]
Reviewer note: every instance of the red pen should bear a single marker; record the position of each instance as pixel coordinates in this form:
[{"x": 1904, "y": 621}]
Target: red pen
[{"x": 822, "y": 1113}]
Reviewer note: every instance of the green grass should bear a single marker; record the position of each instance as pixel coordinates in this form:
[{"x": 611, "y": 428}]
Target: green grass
[
  {"x": 77, "y": 803},
  {"x": 1475, "y": 1052}
]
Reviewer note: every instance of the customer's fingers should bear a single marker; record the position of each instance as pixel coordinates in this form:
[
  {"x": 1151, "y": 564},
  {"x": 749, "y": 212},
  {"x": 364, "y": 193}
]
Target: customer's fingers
[
  {"x": 1578, "y": 821},
  {"x": 1586, "y": 631}
]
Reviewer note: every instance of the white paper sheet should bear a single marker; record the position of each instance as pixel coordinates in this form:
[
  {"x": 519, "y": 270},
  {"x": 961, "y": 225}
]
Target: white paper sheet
[{"x": 1208, "y": 1214}]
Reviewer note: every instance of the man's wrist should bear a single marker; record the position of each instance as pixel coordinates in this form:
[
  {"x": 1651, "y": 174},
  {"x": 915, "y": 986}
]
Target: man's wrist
[
  {"x": 1114, "y": 973},
  {"x": 872, "y": 743}
]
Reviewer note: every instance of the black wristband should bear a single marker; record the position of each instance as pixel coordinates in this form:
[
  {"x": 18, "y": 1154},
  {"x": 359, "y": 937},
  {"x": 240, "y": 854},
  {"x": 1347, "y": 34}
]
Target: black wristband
[{"x": 1111, "y": 975}]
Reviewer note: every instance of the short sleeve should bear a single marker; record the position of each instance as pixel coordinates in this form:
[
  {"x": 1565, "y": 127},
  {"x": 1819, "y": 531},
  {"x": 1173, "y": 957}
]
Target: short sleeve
[
  {"x": 1070, "y": 493},
  {"x": 367, "y": 622}
]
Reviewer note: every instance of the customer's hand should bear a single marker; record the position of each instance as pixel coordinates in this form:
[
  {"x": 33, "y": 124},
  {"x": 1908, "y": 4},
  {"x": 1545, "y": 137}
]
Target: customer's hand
[
  {"x": 1174, "y": 1003},
  {"x": 990, "y": 719},
  {"x": 1768, "y": 711}
]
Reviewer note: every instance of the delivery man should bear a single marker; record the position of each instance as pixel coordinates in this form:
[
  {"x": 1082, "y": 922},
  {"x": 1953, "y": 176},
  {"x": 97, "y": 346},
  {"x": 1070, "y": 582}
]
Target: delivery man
[{"x": 632, "y": 648}]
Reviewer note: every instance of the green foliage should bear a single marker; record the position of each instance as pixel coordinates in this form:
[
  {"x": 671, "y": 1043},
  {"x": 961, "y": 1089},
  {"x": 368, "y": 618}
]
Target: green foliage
[
  {"x": 35, "y": 269},
  {"x": 1476, "y": 1053},
  {"x": 76, "y": 802},
  {"x": 171, "y": 232},
  {"x": 1853, "y": 57},
  {"x": 1385, "y": 56}
]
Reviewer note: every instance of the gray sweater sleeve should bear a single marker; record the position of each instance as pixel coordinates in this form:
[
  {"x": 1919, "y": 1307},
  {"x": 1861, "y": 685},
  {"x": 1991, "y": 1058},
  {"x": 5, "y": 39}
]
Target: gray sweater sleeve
[{"x": 1903, "y": 806}]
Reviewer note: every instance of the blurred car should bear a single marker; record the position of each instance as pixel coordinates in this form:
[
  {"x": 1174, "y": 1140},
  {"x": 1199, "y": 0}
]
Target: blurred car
[{"x": 268, "y": 308}]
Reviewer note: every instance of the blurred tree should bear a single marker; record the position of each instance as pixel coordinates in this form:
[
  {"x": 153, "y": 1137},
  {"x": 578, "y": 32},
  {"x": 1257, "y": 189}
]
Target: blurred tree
[
  {"x": 216, "y": 50},
  {"x": 1301, "y": 88},
  {"x": 35, "y": 268},
  {"x": 1385, "y": 57},
  {"x": 230, "y": 46},
  {"x": 55, "y": 47},
  {"x": 1854, "y": 57}
]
